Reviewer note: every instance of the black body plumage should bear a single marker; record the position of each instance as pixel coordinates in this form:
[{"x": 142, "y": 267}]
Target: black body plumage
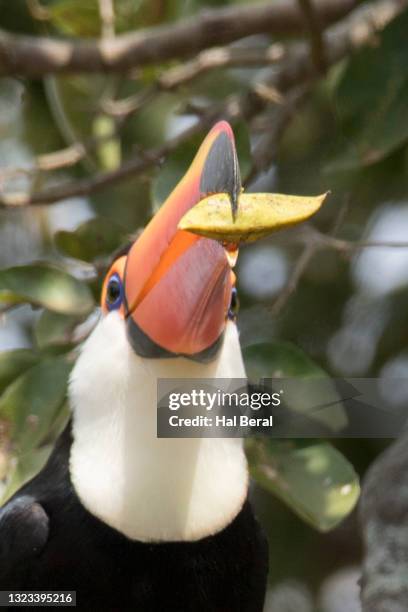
[{"x": 49, "y": 541}]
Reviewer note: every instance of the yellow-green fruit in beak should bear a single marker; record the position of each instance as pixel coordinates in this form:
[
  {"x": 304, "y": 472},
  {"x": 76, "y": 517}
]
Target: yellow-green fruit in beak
[{"x": 259, "y": 214}]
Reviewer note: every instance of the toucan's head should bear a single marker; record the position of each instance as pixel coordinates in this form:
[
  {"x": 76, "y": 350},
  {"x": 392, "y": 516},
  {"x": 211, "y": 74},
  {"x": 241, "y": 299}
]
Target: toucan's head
[
  {"x": 170, "y": 295},
  {"x": 173, "y": 289}
]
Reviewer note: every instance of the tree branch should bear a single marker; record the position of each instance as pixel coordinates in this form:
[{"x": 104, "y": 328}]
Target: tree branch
[
  {"x": 352, "y": 33},
  {"x": 132, "y": 167},
  {"x": 35, "y": 56},
  {"x": 355, "y": 31},
  {"x": 182, "y": 74},
  {"x": 298, "y": 64},
  {"x": 56, "y": 160}
]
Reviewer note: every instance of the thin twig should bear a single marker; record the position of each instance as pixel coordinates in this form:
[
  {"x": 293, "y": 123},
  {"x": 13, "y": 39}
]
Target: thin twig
[
  {"x": 56, "y": 160},
  {"x": 326, "y": 241},
  {"x": 315, "y": 33},
  {"x": 37, "y": 10},
  {"x": 315, "y": 241},
  {"x": 211, "y": 59},
  {"x": 340, "y": 217},
  {"x": 311, "y": 246},
  {"x": 107, "y": 15},
  {"x": 132, "y": 167},
  {"x": 130, "y": 105},
  {"x": 294, "y": 278},
  {"x": 272, "y": 129},
  {"x": 62, "y": 120},
  {"x": 220, "y": 57}
]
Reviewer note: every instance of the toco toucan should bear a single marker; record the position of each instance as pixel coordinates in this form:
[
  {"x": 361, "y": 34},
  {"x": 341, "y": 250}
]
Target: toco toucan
[{"x": 128, "y": 520}]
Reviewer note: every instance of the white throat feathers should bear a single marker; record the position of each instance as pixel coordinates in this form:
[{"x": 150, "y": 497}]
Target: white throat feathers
[{"x": 147, "y": 488}]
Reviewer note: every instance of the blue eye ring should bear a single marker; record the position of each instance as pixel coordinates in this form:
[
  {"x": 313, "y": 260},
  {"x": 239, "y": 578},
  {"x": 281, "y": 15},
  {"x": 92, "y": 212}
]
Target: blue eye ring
[{"x": 114, "y": 292}]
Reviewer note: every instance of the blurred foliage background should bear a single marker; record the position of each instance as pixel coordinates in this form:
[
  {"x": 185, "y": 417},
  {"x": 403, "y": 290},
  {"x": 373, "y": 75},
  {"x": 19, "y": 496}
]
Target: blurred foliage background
[{"x": 310, "y": 305}]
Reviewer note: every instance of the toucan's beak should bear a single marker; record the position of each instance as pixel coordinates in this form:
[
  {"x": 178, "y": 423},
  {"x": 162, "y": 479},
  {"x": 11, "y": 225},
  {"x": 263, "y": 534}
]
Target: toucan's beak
[{"x": 177, "y": 284}]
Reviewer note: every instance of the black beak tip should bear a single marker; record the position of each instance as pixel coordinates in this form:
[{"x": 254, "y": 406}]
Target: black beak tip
[
  {"x": 221, "y": 172},
  {"x": 234, "y": 205}
]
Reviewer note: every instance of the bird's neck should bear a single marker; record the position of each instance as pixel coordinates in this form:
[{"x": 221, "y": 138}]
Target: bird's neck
[{"x": 149, "y": 489}]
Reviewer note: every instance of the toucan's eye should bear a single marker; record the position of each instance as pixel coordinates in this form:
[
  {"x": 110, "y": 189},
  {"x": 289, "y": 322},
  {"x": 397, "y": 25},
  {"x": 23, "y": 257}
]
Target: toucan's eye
[
  {"x": 234, "y": 304},
  {"x": 114, "y": 292}
]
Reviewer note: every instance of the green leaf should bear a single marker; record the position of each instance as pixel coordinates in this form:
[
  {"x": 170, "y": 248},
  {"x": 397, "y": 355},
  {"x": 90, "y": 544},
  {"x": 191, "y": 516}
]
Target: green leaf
[
  {"x": 46, "y": 286},
  {"x": 24, "y": 468},
  {"x": 32, "y": 402},
  {"x": 374, "y": 117},
  {"x": 55, "y": 329},
  {"x": 79, "y": 18},
  {"x": 316, "y": 481},
  {"x": 279, "y": 359},
  {"x": 58, "y": 425},
  {"x": 76, "y": 17},
  {"x": 283, "y": 360},
  {"x": 95, "y": 238},
  {"x": 258, "y": 215},
  {"x": 13, "y": 363}
]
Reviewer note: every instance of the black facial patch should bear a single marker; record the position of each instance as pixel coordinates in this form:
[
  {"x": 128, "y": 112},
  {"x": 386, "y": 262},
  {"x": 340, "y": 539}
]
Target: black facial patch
[
  {"x": 149, "y": 349},
  {"x": 221, "y": 171}
]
